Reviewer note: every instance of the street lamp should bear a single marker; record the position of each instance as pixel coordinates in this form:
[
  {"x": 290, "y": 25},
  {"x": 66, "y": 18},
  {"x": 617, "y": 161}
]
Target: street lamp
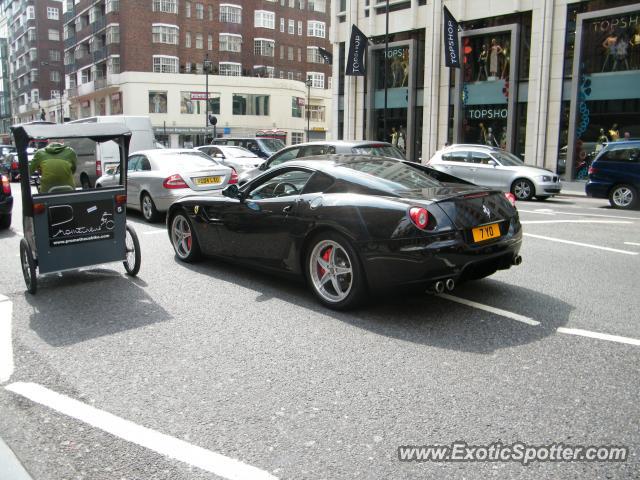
[
  {"x": 308, "y": 83},
  {"x": 207, "y": 68}
]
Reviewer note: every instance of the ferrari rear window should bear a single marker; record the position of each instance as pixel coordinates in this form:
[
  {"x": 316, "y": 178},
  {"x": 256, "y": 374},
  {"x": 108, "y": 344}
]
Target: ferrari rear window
[{"x": 396, "y": 176}]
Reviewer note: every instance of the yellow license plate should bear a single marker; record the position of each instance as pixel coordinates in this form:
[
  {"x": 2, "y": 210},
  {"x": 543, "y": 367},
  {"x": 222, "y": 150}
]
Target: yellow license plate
[
  {"x": 486, "y": 232},
  {"x": 207, "y": 180}
]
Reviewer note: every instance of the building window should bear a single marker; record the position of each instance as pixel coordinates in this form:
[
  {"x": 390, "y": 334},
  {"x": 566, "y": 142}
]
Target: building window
[
  {"x": 265, "y": 19},
  {"x": 166, "y": 6},
  {"x": 114, "y": 65},
  {"x": 199, "y": 11},
  {"x": 290, "y": 53},
  {"x": 297, "y": 105},
  {"x": 281, "y": 52},
  {"x": 54, "y": 76},
  {"x": 290, "y": 75},
  {"x": 54, "y": 55},
  {"x": 187, "y": 9},
  {"x": 112, "y": 6},
  {"x": 113, "y": 34},
  {"x": 317, "y": 113},
  {"x": 85, "y": 76},
  {"x": 230, "y": 69},
  {"x": 282, "y": 25},
  {"x": 157, "y": 102},
  {"x": 230, "y": 42},
  {"x": 199, "y": 41},
  {"x": 53, "y": 13},
  {"x": 250, "y": 104},
  {"x": 313, "y": 55},
  {"x": 54, "y": 34},
  {"x": 230, "y": 13},
  {"x": 164, "y": 34},
  {"x": 187, "y": 40},
  {"x": 292, "y": 27},
  {"x": 301, "y": 4},
  {"x": 297, "y": 137},
  {"x": 319, "y": 5},
  {"x": 55, "y": 93},
  {"x": 209, "y": 42},
  {"x": 165, "y": 64},
  {"x": 263, "y": 47},
  {"x": 315, "y": 29},
  {"x": 210, "y": 12},
  {"x": 317, "y": 79},
  {"x": 31, "y": 12}
]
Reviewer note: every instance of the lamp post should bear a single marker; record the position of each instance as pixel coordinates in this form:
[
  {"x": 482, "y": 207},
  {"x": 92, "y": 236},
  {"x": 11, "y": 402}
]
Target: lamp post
[
  {"x": 308, "y": 83},
  {"x": 207, "y": 67}
]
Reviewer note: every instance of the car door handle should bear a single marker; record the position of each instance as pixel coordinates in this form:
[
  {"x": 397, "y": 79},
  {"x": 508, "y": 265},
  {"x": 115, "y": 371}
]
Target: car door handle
[{"x": 287, "y": 209}]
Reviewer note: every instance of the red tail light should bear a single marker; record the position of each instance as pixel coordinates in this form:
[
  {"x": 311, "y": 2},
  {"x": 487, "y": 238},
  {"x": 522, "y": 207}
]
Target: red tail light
[
  {"x": 174, "y": 181},
  {"x": 121, "y": 200},
  {"x": 98, "y": 168},
  {"x": 39, "y": 208},
  {"x": 6, "y": 186},
  {"x": 511, "y": 197},
  {"x": 592, "y": 170},
  {"x": 234, "y": 176},
  {"x": 419, "y": 216}
]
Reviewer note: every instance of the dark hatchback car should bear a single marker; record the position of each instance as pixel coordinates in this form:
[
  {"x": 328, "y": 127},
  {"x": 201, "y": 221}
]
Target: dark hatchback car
[
  {"x": 6, "y": 203},
  {"x": 615, "y": 174},
  {"x": 326, "y": 147}
]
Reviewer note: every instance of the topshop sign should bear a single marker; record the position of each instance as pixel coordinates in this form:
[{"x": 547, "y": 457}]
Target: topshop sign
[{"x": 487, "y": 113}]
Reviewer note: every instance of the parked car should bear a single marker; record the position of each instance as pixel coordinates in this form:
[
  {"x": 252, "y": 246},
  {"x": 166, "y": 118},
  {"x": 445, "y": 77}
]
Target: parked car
[
  {"x": 313, "y": 149},
  {"x": 397, "y": 226},
  {"x": 6, "y": 202},
  {"x": 263, "y": 147},
  {"x": 13, "y": 167},
  {"x": 495, "y": 168},
  {"x": 156, "y": 178},
  {"x": 238, "y": 158},
  {"x": 615, "y": 174}
]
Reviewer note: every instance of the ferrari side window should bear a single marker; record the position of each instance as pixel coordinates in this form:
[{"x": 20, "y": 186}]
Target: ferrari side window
[{"x": 286, "y": 184}]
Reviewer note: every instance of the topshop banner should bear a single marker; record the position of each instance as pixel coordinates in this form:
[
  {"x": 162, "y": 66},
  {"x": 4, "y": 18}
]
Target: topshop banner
[
  {"x": 451, "y": 44},
  {"x": 357, "y": 49}
]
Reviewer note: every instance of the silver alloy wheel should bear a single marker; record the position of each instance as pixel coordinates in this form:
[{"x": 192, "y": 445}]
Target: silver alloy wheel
[
  {"x": 181, "y": 236},
  {"x": 622, "y": 197},
  {"x": 147, "y": 207},
  {"x": 522, "y": 189},
  {"x": 331, "y": 271}
]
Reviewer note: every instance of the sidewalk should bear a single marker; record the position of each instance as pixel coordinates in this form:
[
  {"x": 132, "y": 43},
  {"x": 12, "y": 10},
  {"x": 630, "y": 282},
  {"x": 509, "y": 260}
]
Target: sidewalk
[
  {"x": 10, "y": 466},
  {"x": 573, "y": 189}
]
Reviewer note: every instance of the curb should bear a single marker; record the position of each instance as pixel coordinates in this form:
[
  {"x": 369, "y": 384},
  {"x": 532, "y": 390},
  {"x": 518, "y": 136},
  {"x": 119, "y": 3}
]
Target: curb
[{"x": 12, "y": 469}]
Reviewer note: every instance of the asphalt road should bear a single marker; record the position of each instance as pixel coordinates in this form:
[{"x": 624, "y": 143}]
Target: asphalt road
[{"x": 217, "y": 359}]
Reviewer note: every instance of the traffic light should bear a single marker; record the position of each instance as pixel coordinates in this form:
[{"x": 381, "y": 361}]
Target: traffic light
[{"x": 213, "y": 120}]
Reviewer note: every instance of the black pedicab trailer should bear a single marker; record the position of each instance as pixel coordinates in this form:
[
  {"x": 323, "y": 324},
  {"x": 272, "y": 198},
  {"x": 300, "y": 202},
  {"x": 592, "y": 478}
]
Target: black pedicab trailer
[{"x": 67, "y": 229}]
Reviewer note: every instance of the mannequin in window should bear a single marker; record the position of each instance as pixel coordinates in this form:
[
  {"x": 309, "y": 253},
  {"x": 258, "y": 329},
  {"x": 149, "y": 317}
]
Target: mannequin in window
[
  {"x": 609, "y": 46},
  {"x": 483, "y": 134},
  {"x": 505, "y": 62},
  {"x": 503, "y": 138},
  {"x": 491, "y": 139},
  {"x": 494, "y": 55},
  {"x": 482, "y": 63},
  {"x": 634, "y": 43},
  {"x": 621, "y": 52},
  {"x": 614, "y": 133}
]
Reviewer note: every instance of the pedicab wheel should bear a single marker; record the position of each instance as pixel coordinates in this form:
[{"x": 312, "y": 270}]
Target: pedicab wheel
[
  {"x": 132, "y": 246},
  {"x": 28, "y": 267}
]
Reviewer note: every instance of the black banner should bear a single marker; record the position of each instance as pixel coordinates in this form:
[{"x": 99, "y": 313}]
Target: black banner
[
  {"x": 326, "y": 56},
  {"x": 357, "y": 49},
  {"x": 80, "y": 222},
  {"x": 451, "y": 44}
]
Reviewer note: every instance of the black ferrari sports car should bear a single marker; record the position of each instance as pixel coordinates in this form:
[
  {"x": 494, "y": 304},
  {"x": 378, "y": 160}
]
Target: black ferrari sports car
[{"x": 350, "y": 224}]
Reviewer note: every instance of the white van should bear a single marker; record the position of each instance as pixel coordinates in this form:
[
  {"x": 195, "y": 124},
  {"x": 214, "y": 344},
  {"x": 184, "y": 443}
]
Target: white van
[{"x": 95, "y": 158}]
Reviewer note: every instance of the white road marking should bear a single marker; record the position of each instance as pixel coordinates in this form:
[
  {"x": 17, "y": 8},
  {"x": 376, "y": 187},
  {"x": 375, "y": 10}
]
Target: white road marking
[
  {"x": 580, "y": 244},
  {"x": 6, "y": 343},
  {"x": 616, "y": 222},
  {"x": 632, "y": 243},
  {"x": 487, "y": 308},
  {"x": 553, "y": 212},
  {"x": 600, "y": 336},
  {"x": 207, "y": 460}
]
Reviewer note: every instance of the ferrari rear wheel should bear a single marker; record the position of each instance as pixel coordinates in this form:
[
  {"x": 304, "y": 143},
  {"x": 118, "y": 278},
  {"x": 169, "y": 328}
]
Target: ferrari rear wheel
[
  {"x": 183, "y": 240},
  {"x": 334, "y": 271}
]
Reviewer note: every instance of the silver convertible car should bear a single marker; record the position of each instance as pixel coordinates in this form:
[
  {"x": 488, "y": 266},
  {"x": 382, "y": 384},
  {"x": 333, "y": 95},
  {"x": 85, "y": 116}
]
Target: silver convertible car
[
  {"x": 495, "y": 168},
  {"x": 156, "y": 178}
]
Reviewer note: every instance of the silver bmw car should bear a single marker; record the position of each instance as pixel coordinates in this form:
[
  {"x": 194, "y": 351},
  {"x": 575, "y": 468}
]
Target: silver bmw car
[
  {"x": 493, "y": 167},
  {"x": 156, "y": 178}
]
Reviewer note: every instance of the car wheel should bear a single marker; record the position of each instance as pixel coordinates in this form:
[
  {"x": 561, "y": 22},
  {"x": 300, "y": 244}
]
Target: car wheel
[
  {"x": 133, "y": 255},
  {"x": 28, "y": 264},
  {"x": 5, "y": 221},
  {"x": 84, "y": 182},
  {"x": 184, "y": 241},
  {"x": 149, "y": 211},
  {"x": 623, "y": 196},
  {"x": 334, "y": 271},
  {"x": 542, "y": 198},
  {"x": 523, "y": 189}
]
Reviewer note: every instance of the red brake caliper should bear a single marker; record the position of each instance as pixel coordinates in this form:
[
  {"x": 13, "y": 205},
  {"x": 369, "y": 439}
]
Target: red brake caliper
[{"x": 325, "y": 257}]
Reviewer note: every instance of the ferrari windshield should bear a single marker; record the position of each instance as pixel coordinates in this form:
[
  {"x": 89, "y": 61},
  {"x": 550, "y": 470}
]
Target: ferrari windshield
[{"x": 397, "y": 176}]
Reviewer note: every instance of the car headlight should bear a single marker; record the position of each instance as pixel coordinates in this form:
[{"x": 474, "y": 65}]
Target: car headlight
[{"x": 544, "y": 178}]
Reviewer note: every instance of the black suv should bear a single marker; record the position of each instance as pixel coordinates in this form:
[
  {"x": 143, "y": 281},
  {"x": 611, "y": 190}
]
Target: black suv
[{"x": 615, "y": 174}]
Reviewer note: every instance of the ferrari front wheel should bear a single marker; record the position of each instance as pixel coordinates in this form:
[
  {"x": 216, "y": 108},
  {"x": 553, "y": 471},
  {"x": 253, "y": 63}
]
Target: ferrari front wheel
[{"x": 334, "y": 271}]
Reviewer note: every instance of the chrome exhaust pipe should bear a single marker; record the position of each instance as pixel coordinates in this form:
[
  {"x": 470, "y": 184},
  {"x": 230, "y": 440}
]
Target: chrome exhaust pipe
[
  {"x": 450, "y": 284},
  {"x": 517, "y": 260},
  {"x": 439, "y": 286}
]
